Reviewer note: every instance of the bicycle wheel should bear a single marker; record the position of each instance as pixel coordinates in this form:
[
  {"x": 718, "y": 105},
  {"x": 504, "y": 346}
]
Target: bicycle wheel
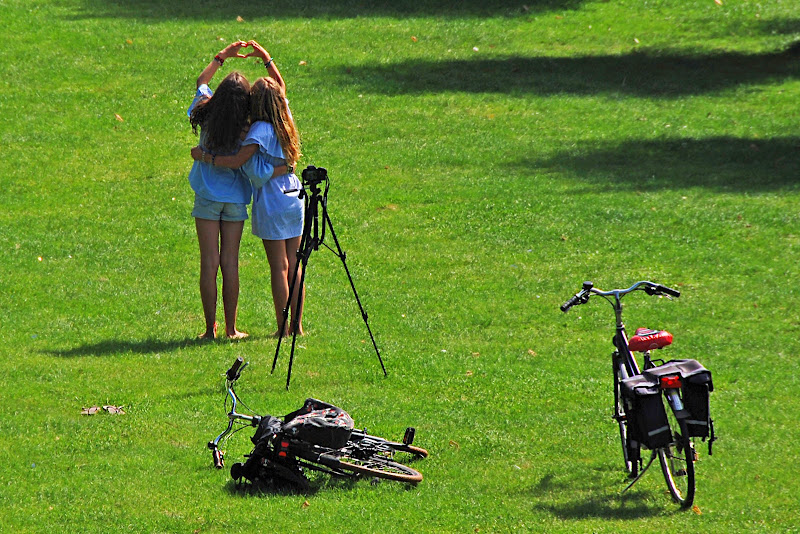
[
  {"x": 677, "y": 462},
  {"x": 378, "y": 466},
  {"x": 630, "y": 454}
]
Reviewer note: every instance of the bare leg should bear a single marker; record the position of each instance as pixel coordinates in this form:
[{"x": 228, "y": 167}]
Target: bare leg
[
  {"x": 280, "y": 260},
  {"x": 208, "y": 239},
  {"x": 299, "y": 292},
  {"x": 231, "y": 237}
]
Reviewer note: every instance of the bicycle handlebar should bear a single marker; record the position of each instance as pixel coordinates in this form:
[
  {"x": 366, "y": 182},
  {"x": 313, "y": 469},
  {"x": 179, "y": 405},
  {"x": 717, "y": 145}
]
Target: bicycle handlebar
[
  {"x": 582, "y": 297},
  {"x": 233, "y": 372}
]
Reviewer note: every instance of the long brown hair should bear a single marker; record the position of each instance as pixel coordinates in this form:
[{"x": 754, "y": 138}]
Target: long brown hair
[
  {"x": 223, "y": 116},
  {"x": 268, "y": 103}
]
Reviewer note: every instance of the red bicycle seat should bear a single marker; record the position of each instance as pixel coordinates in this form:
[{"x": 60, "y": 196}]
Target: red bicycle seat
[{"x": 646, "y": 339}]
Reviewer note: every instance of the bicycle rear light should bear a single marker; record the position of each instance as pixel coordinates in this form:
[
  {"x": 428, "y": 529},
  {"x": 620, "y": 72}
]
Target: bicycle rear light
[{"x": 671, "y": 382}]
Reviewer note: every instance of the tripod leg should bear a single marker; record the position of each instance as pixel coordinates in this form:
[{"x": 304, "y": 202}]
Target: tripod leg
[
  {"x": 307, "y": 244},
  {"x": 296, "y": 320},
  {"x": 342, "y": 256}
]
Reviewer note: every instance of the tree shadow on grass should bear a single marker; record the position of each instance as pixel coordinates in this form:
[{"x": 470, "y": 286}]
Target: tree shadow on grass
[
  {"x": 216, "y": 10},
  {"x": 717, "y": 163},
  {"x": 114, "y": 346},
  {"x": 642, "y": 74}
]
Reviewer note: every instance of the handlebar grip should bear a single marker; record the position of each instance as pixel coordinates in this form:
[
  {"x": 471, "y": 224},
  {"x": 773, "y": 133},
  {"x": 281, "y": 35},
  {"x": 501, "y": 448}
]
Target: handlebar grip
[
  {"x": 570, "y": 303},
  {"x": 233, "y": 372},
  {"x": 668, "y": 290}
]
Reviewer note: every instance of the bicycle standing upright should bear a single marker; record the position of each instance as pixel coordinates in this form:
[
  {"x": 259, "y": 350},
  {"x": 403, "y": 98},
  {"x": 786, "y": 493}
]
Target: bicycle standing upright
[{"x": 644, "y": 422}]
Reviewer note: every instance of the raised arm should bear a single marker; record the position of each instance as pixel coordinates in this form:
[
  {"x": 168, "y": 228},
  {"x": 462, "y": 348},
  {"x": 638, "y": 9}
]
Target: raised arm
[
  {"x": 269, "y": 63},
  {"x": 232, "y": 50}
]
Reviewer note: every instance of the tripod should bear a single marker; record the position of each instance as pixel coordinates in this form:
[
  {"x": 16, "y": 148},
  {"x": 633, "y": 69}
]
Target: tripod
[{"x": 313, "y": 237}]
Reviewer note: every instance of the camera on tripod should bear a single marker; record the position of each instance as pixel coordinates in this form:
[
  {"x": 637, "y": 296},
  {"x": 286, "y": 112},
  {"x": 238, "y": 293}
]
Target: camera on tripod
[{"x": 313, "y": 175}]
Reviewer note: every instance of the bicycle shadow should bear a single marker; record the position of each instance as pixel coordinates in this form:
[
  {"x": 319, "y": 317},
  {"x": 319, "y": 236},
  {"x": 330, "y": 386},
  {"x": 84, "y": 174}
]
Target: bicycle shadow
[
  {"x": 582, "y": 495},
  {"x": 273, "y": 488}
]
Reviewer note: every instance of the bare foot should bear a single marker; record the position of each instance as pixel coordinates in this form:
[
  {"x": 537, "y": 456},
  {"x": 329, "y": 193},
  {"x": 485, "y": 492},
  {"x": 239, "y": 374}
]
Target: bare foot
[
  {"x": 276, "y": 333},
  {"x": 237, "y": 335},
  {"x": 209, "y": 334}
]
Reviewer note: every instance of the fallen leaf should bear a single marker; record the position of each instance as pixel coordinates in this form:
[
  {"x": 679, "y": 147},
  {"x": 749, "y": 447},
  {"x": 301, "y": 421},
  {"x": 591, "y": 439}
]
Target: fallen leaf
[
  {"x": 306, "y": 504},
  {"x": 128, "y": 41},
  {"x": 413, "y": 38},
  {"x": 455, "y": 444},
  {"x": 239, "y": 19},
  {"x": 469, "y": 373},
  {"x": 718, "y": 2},
  {"x": 532, "y": 352},
  {"x": 302, "y": 63},
  {"x": 695, "y": 508},
  {"x": 120, "y": 119}
]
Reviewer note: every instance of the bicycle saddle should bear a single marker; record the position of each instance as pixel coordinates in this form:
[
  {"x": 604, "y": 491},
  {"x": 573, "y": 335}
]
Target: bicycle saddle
[{"x": 647, "y": 339}]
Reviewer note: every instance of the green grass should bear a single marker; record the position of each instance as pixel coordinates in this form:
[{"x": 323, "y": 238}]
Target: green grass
[{"x": 473, "y": 191}]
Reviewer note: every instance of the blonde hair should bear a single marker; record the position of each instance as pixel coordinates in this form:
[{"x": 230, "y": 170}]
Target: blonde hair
[{"x": 268, "y": 103}]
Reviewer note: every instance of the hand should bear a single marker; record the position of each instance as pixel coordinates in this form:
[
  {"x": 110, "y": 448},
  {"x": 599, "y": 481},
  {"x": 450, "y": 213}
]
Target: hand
[
  {"x": 197, "y": 153},
  {"x": 232, "y": 50},
  {"x": 258, "y": 51}
]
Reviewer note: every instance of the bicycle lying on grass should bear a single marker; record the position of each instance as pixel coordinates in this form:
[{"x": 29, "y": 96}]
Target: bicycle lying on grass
[
  {"x": 638, "y": 407},
  {"x": 317, "y": 437}
]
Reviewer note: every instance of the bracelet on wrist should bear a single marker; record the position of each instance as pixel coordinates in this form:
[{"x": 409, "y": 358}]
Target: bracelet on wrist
[
  {"x": 219, "y": 60},
  {"x": 271, "y": 60}
]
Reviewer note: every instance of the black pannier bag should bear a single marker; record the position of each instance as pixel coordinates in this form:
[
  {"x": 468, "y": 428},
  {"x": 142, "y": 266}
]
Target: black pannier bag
[
  {"x": 696, "y": 386},
  {"x": 647, "y": 419},
  {"x": 319, "y": 423}
]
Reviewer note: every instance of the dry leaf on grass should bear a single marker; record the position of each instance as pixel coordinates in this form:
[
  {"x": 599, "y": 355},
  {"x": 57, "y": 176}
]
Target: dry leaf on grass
[{"x": 108, "y": 408}]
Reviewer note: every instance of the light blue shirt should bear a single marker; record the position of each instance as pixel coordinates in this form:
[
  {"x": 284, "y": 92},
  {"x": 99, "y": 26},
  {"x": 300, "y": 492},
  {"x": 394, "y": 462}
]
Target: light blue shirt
[
  {"x": 277, "y": 209},
  {"x": 218, "y": 184}
]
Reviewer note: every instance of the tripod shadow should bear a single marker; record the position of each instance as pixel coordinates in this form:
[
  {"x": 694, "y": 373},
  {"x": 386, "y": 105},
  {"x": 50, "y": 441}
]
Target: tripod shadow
[{"x": 113, "y": 346}]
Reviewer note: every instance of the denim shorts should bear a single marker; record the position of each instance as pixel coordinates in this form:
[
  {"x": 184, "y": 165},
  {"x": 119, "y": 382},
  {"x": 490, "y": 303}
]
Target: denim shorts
[{"x": 218, "y": 211}]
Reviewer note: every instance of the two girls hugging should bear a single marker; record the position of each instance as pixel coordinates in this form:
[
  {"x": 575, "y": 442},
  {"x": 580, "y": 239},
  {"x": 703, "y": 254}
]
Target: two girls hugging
[{"x": 248, "y": 148}]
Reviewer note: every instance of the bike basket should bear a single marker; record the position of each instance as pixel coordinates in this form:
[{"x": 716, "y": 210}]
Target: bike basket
[
  {"x": 697, "y": 385},
  {"x": 327, "y": 427},
  {"x": 647, "y": 419}
]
